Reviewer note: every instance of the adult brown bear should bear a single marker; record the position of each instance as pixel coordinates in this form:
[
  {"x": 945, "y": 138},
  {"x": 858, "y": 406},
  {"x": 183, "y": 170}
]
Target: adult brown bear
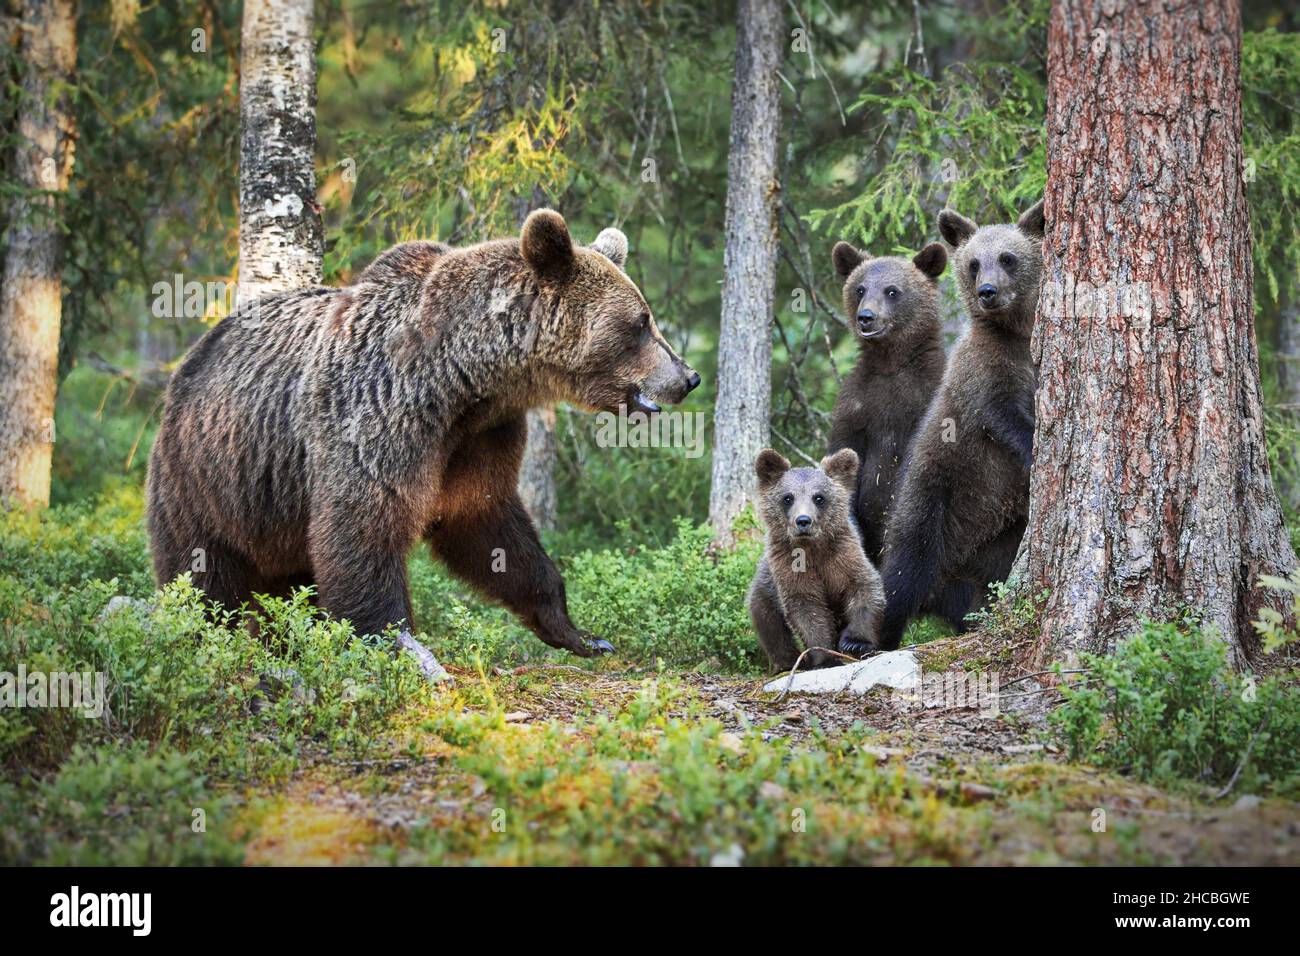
[{"x": 315, "y": 436}]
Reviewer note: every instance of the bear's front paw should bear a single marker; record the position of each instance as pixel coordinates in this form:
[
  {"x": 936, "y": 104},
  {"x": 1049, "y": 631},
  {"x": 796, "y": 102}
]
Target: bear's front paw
[
  {"x": 588, "y": 645},
  {"x": 857, "y": 644}
]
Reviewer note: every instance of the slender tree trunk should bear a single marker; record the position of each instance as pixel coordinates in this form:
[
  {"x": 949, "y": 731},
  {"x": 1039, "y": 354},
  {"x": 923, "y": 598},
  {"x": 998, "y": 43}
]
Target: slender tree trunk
[
  {"x": 280, "y": 234},
  {"x": 1150, "y": 488},
  {"x": 1288, "y": 373},
  {"x": 31, "y": 300},
  {"x": 537, "y": 474},
  {"x": 749, "y": 263}
]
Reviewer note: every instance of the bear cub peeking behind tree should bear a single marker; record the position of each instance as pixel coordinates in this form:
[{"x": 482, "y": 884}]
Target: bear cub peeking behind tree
[
  {"x": 893, "y": 307},
  {"x": 814, "y": 579}
]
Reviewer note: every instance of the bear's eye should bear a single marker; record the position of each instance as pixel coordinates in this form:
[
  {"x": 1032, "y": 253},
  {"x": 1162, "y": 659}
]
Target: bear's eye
[
  {"x": 644, "y": 322},
  {"x": 892, "y": 292},
  {"x": 974, "y": 267},
  {"x": 819, "y": 500},
  {"x": 787, "y": 500},
  {"x": 1008, "y": 260},
  {"x": 862, "y": 290}
]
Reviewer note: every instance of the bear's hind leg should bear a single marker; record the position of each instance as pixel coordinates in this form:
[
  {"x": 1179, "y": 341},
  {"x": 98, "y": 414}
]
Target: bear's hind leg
[{"x": 774, "y": 634}]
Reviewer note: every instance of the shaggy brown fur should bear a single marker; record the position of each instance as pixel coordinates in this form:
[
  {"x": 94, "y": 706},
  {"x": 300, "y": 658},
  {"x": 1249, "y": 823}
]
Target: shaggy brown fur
[
  {"x": 316, "y": 435},
  {"x": 814, "y": 579},
  {"x": 964, "y": 495},
  {"x": 893, "y": 307}
]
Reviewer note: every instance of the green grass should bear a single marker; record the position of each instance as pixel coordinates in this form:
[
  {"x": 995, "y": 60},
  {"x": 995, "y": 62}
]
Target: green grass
[{"x": 216, "y": 746}]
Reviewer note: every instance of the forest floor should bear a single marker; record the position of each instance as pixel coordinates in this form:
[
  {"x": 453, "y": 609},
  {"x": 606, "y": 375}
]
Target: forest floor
[{"x": 558, "y": 764}]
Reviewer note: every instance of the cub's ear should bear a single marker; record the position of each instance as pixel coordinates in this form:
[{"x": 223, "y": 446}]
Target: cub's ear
[
  {"x": 955, "y": 228},
  {"x": 842, "y": 467},
  {"x": 546, "y": 244},
  {"x": 846, "y": 259},
  {"x": 612, "y": 244},
  {"x": 932, "y": 260},
  {"x": 1031, "y": 221},
  {"x": 769, "y": 466}
]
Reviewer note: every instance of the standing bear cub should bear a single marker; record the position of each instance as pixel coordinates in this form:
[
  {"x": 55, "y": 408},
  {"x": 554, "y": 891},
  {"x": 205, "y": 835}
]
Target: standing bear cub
[
  {"x": 814, "y": 579},
  {"x": 314, "y": 437},
  {"x": 964, "y": 497},
  {"x": 893, "y": 307}
]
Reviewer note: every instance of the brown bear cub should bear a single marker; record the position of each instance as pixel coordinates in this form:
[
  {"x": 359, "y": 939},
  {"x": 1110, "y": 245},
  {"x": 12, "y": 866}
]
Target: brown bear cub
[
  {"x": 316, "y": 435},
  {"x": 893, "y": 307},
  {"x": 814, "y": 580},
  {"x": 963, "y": 500}
]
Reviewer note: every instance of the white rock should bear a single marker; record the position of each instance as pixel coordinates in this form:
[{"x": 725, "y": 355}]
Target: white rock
[{"x": 897, "y": 669}]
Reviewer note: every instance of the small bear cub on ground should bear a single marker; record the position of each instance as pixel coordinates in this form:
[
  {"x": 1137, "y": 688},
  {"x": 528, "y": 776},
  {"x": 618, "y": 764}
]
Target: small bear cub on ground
[{"x": 814, "y": 579}]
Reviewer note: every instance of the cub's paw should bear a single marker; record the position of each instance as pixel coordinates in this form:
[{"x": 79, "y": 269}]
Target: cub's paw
[{"x": 857, "y": 644}]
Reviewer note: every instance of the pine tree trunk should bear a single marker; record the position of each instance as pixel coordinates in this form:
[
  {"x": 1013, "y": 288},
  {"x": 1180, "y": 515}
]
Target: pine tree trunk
[
  {"x": 749, "y": 263},
  {"x": 280, "y": 233},
  {"x": 1150, "y": 487},
  {"x": 1288, "y": 374},
  {"x": 31, "y": 300}
]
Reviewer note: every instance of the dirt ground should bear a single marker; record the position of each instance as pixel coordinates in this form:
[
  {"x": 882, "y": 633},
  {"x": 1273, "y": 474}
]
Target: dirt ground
[{"x": 1026, "y": 804}]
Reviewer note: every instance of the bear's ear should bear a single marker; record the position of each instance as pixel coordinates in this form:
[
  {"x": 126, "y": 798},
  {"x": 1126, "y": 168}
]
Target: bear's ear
[
  {"x": 769, "y": 466},
  {"x": 546, "y": 245},
  {"x": 932, "y": 260},
  {"x": 842, "y": 467},
  {"x": 955, "y": 228},
  {"x": 612, "y": 244},
  {"x": 846, "y": 259},
  {"x": 1031, "y": 221}
]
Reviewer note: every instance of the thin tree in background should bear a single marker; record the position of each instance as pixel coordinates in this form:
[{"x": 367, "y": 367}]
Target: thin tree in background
[
  {"x": 536, "y": 485},
  {"x": 749, "y": 263},
  {"x": 31, "y": 299},
  {"x": 280, "y": 233},
  {"x": 1288, "y": 379},
  {"x": 1150, "y": 487}
]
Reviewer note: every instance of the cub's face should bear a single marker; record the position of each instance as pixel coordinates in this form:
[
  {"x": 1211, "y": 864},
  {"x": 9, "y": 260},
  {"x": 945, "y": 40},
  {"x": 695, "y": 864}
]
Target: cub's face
[
  {"x": 605, "y": 350},
  {"x": 805, "y": 504},
  {"x": 998, "y": 267},
  {"x": 889, "y": 297}
]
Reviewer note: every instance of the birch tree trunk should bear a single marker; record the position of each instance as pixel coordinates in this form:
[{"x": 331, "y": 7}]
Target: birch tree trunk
[
  {"x": 31, "y": 300},
  {"x": 1150, "y": 488},
  {"x": 749, "y": 263},
  {"x": 280, "y": 233}
]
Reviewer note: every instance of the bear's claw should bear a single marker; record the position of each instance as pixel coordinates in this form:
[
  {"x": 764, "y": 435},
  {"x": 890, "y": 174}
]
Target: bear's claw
[{"x": 855, "y": 647}]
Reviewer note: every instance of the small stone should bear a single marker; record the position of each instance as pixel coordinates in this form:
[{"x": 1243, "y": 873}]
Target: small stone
[
  {"x": 882, "y": 754},
  {"x": 516, "y": 716},
  {"x": 771, "y": 791},
  {"x": 1247, "y": 803},
  {"x": 975, "y": 792},
  {"x": 733, "y": 855},
  {"x": 732, "y": 742}
]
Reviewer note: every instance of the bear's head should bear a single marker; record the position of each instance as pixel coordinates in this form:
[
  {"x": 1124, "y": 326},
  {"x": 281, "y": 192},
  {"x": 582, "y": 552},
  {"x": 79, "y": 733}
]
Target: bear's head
[
  {"x": 891, "y": 301},
  {"x": 601, "y": 348},
  {"x": 998, "y": 267},
  {"x": 804, "y": 504}
]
